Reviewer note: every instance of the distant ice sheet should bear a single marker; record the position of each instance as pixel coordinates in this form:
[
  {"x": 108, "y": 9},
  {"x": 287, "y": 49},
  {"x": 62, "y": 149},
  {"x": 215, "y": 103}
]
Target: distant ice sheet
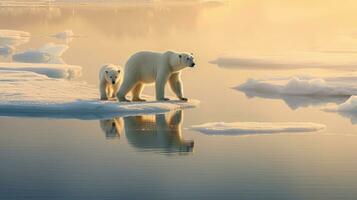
[
  {"x": 251, "y": 128},
  {"x": 50, "y": 70},
  {"x": 48, "y": 53},
  {"x": 29, "y": 94},
  {"x": 13, "y": 37},
  {"x": 286, "y": 61}
]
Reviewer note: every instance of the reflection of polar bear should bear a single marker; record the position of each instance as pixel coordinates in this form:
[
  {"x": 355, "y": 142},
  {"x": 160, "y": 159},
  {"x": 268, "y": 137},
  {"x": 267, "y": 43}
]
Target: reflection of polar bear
[
  {"x": 149, "y": 67},
  {"x": 109, "y": 81},
  {"x": 157, "y": 132},
  {"x": 112, "y": 127}
]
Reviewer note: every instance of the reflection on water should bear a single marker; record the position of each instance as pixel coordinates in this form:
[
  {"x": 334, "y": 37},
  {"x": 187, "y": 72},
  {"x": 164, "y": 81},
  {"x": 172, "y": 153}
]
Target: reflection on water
[
  {"x": 112, "y": 128},
  {"x": 159, "y": 133}
]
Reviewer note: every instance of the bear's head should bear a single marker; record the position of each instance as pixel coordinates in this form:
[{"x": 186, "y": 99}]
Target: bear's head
[
  {"x": 182, "y": 60},
  {"x": 112, "y": 74}
]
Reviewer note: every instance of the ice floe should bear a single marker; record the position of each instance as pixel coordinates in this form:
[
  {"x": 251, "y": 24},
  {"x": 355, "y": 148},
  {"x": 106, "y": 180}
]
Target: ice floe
[
  {"x": 303, "y": 91},
  {"x": 290, "y": 61},
  {"x": 346, "y": 109},
  {"x": 301, "y": 86},
  {"x": 50, "y": 70},
  {"x": 48, "y": 53},
  {"x": 30, "y": 94},
  {"x": 252, "y": 128}
]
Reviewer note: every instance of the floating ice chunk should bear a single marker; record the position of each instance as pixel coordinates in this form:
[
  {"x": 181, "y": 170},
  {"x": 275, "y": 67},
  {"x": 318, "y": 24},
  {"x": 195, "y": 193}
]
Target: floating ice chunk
[
  {"x": 303, "y": 91},
  {"x": 290, "y": 61},
  {"x": 349, "y": 106},
  {"x": 28, "y": 94},
  {"x": 339, "y": 86},
  {"x": 50, "y": 70},
  {"x": 13, "y": 37},
  {"x": 48, "y": 53},
  {"x": 251, "y": 128}
]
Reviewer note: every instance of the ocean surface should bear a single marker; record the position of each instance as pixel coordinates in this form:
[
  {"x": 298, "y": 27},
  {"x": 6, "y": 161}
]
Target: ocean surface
[{"x": 160, "y": 156}]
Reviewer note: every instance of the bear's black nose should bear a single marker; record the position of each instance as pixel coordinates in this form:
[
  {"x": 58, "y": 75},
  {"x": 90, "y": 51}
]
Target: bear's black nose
[
  {"x": 113, "y": 82},
  {"x": 193, "y": 64}
]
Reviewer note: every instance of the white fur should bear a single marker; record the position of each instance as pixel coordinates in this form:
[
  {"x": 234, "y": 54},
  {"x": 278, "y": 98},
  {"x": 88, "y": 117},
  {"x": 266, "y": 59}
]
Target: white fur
[
  {"x": 109, "y": 81},
  {"x": 152, "y": 67}
]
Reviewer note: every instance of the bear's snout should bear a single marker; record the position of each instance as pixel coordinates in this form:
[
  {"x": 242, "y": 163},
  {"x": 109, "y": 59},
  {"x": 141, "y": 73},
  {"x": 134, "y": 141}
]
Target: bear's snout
[
  {"x": 113, "y": 82},
  {"x": 193, "y": 64}
]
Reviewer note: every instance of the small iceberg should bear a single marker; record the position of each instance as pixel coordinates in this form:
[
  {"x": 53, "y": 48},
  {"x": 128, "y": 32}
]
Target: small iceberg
[
  {"x": 48, "y": 53},
  {"x": 253, "y": 128}
]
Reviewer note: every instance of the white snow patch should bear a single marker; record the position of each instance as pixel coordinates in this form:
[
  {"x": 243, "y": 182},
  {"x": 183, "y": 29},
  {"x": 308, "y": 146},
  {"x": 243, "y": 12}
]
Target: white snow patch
[
  {"x": 48, "y": 53},
  {"x": 50, "y": 70},
  {"x": 28, "y": 94},
  {"x": 251, "y": 128},
  {"x": 292, "y": 60},
  {"x": 13, "y": 37}
]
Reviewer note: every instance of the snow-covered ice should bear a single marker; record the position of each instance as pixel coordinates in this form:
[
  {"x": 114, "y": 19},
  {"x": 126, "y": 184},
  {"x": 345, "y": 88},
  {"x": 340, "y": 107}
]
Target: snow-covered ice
[
  {"x": 303, "y": 91},
  {"x": 50, "y": 70},
  {"x": 48, "y": 53},
  {"x": 293, "y": 60},
  {"x": 30, "y": 94},
  {"x": 298, "y": 86},
  {"x": 251, "y": 128}
]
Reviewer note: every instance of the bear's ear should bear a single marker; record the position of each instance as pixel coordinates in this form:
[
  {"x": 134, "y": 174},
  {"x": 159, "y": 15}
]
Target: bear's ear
[
  {"x": 180, "y": 56},
  {"x": 106, "y": 72}
]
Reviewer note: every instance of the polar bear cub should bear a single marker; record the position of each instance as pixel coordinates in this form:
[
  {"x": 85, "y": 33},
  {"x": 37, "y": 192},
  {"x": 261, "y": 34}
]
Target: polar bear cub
[
  {"x": 153, "y": 67},
  {"x": 109, "y": 81}
]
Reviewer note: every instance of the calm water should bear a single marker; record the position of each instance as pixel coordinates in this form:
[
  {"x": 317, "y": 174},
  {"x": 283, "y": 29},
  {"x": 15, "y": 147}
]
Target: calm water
[{"x": 158, "y": 157}]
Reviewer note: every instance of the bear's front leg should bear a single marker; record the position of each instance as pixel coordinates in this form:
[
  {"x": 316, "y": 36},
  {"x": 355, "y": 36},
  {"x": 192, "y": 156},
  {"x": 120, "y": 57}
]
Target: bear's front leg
[
  {"x": 160, "y": 87},
  {"x": 103, "y": 91},
  {"x": 176, "y": 86}
]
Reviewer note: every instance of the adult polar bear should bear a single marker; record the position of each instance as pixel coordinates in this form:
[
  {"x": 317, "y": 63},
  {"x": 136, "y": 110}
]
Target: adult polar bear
[{"x": 148, "y": 67}]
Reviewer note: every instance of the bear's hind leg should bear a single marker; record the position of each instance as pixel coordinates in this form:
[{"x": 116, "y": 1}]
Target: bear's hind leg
[{"x": 137, "y": 91}]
